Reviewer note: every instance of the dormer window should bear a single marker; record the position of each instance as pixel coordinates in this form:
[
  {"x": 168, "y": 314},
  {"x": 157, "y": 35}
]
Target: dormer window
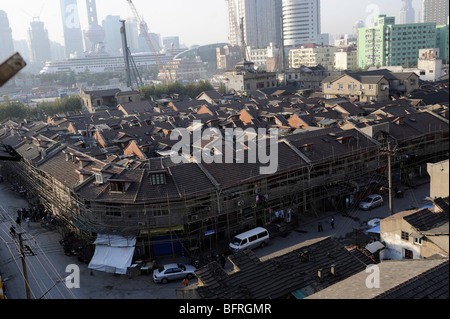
[
  {"x": 158, "y": 177},
  {"x": 307, "y": 147},
  {"x": 119, "y": 185},
  {"x": 344, "y": 139},
  {"x": 98, "y": 178}
]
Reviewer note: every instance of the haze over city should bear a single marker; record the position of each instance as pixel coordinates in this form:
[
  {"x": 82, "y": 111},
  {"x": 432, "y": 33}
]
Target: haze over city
[{"x": 196, "y": 22}]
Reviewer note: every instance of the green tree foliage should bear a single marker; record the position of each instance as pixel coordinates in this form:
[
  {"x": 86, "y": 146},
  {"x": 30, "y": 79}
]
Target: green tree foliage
[
  {"x": 18, "y": 111},
  {"x": 15, "y": 110},
  {"x": 66, "y": 104},
  {"x": 191, "y": 89}
]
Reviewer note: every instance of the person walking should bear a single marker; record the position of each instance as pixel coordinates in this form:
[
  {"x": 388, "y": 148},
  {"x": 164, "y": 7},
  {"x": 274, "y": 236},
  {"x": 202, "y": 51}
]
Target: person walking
[
  {"x": 332, "y": 222},
  {"x": 319, "y": 227}
]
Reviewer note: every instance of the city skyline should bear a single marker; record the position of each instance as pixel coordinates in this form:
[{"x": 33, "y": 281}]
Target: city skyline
[{"x": 195, "y": 27}]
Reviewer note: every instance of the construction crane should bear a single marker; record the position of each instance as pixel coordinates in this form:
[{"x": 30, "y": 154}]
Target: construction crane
[
  {"x": 143, "y": 27},
  {"x": 130, "y": 65}
]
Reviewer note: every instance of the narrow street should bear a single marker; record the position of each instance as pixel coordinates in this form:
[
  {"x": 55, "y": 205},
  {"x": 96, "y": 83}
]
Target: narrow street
[{"x": 47, "y": 268}]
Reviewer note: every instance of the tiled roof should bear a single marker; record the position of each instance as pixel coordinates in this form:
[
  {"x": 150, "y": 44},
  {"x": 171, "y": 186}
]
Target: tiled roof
[
  {"x": 399, "y": 279},
  {"x": 426, "y": 220},
  {"x": 278, "y": 276},
  {"x": 432, "y": 284}
]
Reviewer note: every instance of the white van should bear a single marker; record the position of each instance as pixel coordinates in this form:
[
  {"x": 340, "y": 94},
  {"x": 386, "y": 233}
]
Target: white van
[{"x": 257, "y": 237}]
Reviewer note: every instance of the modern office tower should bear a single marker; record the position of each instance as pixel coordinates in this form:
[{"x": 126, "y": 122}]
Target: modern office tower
[
  {"x": 94, "y": 34},
  {"x": 73, "y": 36},
  {"x": 390, "y": 44},
  {"x": 435, "y": 11},
  {"x": 301, "y": 22},
  {"x": 6, "y": 40},
  {"x": 39, "y": 43},
  {"x": 111, "y": 25},
  {"x": 132, "y": 31},
  {"x": 407, "y": 13},
  {"x": 261, "y": 21}
]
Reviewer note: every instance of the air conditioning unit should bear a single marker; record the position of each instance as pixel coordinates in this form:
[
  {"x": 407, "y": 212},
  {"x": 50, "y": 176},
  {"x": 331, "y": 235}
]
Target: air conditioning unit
[
  {"x": 240, "y": 203},
  {"x": 360, "y": 92}
]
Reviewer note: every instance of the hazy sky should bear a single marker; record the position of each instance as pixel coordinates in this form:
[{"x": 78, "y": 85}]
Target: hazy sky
[{"x": 194, "y": 21}]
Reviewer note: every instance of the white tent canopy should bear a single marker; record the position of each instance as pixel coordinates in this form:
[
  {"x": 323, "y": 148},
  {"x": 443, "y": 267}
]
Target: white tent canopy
[{"x": 113, "y": 253}]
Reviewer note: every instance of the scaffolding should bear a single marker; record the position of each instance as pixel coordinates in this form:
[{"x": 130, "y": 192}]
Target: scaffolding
[{"x": 202, "y": 222}]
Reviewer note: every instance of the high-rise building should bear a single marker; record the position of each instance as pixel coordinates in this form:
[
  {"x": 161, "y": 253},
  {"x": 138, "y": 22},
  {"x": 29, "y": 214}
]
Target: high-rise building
[
  {"x": 39, "y": 43},
  {"x": 407, "y": 13},
  {"x": 113, "y": 41},
  {"x": 261, "y": 21},
  {"x": 390, "y": 44},
  {"x": 73, "y": 36},
  {"x": 435, "y": 11},
  {"x": 301, "y": 22},
  {"x": 132, "y": 31},
  {"x": 6, "y": 40}
]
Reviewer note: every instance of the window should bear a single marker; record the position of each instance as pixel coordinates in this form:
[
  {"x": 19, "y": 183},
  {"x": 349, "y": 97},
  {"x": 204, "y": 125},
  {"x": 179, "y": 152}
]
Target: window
[
  {"x": 418, "y": 241},
  {"x": 405, "y": 235},
  {"x": 117, "y": 187},
  {"x": 158, "y": 179},
  {"x": 253, "y": 238},
  {"x": 408, "y": 254}
]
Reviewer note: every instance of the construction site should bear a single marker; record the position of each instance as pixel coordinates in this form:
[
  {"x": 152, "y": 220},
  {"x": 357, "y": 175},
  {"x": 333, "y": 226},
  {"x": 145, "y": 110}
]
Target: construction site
[{"x": 197, "y": 208}]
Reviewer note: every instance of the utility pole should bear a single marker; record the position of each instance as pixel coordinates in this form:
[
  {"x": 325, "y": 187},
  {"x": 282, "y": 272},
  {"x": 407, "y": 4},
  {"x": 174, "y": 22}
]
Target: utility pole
[
  {"x": 391, "y": 207},
  {"x": 24, "y": 267}
]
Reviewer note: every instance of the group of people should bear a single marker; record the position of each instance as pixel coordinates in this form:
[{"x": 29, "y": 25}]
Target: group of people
[{"x": 34, "y": 214}]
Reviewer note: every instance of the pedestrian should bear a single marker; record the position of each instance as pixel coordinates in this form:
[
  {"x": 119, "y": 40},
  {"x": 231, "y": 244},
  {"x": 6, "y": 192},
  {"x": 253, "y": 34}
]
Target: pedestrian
[
  {"x": 332, "y": 222},
  {"x": 222, "y": 261},
  {"x": 320, "y": 228},
  {"x": 185, "y": 282},
  {"x": 18, "y": 221},
  {"x": 12, "y": 231}
]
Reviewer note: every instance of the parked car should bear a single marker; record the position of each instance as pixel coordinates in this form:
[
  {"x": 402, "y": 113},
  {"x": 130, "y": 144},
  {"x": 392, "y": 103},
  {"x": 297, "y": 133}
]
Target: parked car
[
  {"x": 371, "y": 201},
  {"x": 173, "y": 272}
]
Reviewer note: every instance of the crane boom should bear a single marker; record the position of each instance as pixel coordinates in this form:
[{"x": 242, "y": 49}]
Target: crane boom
[{"x": 143, "y": 27}]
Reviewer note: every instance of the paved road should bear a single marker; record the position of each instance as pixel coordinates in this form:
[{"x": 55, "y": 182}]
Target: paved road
[{"x": 47, "y": 268}]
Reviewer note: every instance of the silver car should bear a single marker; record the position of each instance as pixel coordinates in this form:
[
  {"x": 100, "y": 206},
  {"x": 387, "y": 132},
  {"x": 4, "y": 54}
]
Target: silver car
[
  {"x": 371, "y": 201},
  {"x": 173, "y": 272}
]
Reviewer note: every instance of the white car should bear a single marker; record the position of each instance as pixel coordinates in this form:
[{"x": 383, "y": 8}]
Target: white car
[
  {"x": 371, "y": 201},
  {"x": 173, "y": 272}
]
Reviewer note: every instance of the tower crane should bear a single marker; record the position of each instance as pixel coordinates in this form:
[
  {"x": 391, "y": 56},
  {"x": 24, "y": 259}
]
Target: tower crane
[{"x": 143, "y": 27}]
